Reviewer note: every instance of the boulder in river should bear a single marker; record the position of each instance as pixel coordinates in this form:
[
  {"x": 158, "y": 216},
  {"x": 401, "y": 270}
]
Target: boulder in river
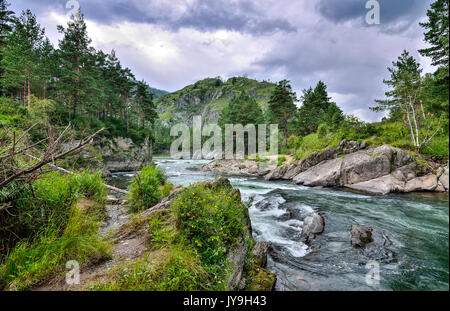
[
  {"x": 313, "y": 225},
  {"x": 361, "y": 235}
]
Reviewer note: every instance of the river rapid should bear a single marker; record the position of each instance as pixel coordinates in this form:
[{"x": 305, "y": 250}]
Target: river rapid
[{"x": 411, "y": 240}]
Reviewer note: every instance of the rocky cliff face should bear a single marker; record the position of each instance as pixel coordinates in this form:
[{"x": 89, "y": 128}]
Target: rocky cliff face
[
  {"x": 380, "y": 170},
  {"x": 116, "y": 155}
]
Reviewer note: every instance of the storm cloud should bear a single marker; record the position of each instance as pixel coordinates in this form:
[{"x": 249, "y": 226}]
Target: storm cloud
[{"x": 174, "y": 43}]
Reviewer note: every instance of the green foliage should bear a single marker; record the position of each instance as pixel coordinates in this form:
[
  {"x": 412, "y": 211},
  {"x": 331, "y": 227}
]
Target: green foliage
[
  {"x": 211, "y": 218},
  {"x": 91, "y": 185},
  {"x": 317, "y": 109},
  {"x": 437, "y": 36},
  {"x": 46, "y": 255},
  {"x": 281, "y": 161},
  {"x": 281, "y": 106},
  {"x": 322, "y": 131},
  {"x": 145, "y": 188},
  {"x": 313, "y": 143},
  {"x": 243, "y": 110},
  {"x": 49, "y": 203}
]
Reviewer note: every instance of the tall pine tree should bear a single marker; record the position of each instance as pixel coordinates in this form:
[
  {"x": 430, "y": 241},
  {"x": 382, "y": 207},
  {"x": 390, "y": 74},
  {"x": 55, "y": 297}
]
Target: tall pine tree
[{"x": 282, "y": 107}]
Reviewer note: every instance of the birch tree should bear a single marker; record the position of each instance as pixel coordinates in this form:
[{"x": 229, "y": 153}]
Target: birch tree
[{"x": 405, "y": 96}]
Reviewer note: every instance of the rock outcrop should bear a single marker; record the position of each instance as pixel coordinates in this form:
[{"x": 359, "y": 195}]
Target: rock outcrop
[{"x": 379, "y": 170}]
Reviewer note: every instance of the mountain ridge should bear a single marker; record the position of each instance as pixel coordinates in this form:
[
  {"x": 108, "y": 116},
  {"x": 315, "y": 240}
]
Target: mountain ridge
[{"x": 208, "y": 97}]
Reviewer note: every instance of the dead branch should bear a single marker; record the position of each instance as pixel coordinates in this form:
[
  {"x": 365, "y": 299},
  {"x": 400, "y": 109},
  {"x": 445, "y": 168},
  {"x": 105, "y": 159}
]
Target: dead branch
[{"x": 49, "y": 156}]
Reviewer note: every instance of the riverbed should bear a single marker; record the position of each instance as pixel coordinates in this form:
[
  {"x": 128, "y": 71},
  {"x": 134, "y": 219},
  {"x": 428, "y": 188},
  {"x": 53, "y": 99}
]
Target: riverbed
[{"x": 411, "y": 232}]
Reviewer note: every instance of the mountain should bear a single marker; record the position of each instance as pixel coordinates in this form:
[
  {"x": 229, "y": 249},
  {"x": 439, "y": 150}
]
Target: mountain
[
  {"x": 157, "y": 93},
  {"x": 208, "y": 97}
]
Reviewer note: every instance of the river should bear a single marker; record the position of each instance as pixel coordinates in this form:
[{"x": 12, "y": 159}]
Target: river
[{"x": 411, "y": 240}]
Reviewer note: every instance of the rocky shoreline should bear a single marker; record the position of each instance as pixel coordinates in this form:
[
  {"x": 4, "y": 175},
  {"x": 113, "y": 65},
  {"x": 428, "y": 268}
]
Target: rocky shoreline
[{"x": 354, "y": 166}]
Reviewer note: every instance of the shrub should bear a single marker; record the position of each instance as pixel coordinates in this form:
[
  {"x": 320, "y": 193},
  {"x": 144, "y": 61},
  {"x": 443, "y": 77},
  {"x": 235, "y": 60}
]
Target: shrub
[
  {"x": 211, "y": 219},
  {"x": 322, "y": 131},
  {"x": 145, "y": 188},
  {"x": 313, "y": 143},
  {"x": 91, "y": 185}
]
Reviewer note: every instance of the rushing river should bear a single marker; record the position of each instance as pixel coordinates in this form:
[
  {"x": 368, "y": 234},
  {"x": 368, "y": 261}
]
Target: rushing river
[{"x": 410, "y": 231}]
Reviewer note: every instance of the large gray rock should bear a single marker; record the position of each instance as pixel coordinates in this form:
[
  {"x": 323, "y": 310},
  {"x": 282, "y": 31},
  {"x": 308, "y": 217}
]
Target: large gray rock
[
  {"x": 424, "y": 183},
  {"x": 379, "y": 186},
  {"x": 325, "y": 174},
  {"x": 313, "y": 225},
  {"x": 361, "y": 235},
  {"x": 366, "y": 165},
  {"x": 277, "y": 173},
  {"x": 292, "y": 171},
  {"x": 443, "y": 179},
  {"x": 353, "y": 168},
  {"x": 405, "y": 173}
]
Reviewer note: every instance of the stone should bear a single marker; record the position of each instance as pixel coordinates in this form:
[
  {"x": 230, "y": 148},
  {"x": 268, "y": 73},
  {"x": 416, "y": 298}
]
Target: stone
[
  {"x": 443, "y": 179},
  {"x": 313, "y": 225},
  {"x": 424, "y": 183},
  {"x": 366, "y": 165},
  {"x": 361, "y": 235},
  {"x": 325, "y": 174},
  {"x": 379, "y": 186},
  {"x": 277, "y": 173}
]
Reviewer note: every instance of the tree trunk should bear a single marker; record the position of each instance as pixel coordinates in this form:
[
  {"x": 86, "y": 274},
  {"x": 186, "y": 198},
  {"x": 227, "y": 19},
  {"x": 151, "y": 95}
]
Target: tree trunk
[{"x": 29, "y": 89}]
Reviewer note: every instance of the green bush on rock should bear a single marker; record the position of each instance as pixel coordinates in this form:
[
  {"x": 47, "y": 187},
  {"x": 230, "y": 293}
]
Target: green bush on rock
[{"x": 145, "y": 188}]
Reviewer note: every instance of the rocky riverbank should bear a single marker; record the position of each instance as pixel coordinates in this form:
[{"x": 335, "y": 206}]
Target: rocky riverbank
[{"x": 380, "y": 170}]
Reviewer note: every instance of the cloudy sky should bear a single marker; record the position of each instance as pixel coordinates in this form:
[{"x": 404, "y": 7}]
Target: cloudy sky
[{"x": 173, "y": 43}]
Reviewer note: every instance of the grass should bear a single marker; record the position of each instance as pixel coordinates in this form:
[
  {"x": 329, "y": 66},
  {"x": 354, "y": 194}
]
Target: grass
[
  {"x": 31, "y": 262},
  {"x": 175, "y": 269},
  {"x": 313, "y": 143},
  {"x": 52, "y": 228}
]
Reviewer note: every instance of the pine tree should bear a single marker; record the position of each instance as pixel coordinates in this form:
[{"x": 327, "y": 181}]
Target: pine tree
[
  {"x": 74, "y": 55},
  {"x": 6, "y": 26},
  {"x": 6, "y": 21},
  {"x": 282, "y": 107},
  {"x": 404, "y": 83},
  {"x": 438, "y": 37},
  {"x": 242, "y": 109},
  {"x": 317, "y": 108},
  {"x": 22, "y": 55}
]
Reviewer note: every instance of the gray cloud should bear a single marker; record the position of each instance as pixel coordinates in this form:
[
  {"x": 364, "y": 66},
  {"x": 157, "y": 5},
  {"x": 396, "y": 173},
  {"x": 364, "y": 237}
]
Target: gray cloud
[
  {"x": 203, "y": 15},
  {"x": 300, "y": 40},
  {"x": 395, "y": 16}
]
